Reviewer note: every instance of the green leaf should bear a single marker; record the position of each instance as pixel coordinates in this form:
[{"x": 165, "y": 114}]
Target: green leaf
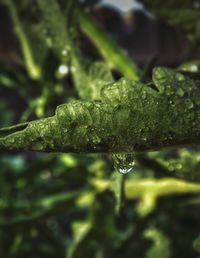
[
  {"x": 89, "y": 83},
  {"x": 54, "y": 28},
  {"x": 130, "y": 116},
  {"x": 196, "y": 244},
  {"x": 160, "y": 244}
]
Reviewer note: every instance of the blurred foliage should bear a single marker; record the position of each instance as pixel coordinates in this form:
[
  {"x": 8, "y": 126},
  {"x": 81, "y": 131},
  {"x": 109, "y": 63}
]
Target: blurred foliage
[
  {"x": 184, "y": 14},
  {"x": 66, "y": 205}
]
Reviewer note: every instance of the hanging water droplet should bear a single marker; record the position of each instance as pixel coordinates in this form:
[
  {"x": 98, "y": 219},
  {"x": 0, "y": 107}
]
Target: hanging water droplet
[{"x": 123, "y": 162}]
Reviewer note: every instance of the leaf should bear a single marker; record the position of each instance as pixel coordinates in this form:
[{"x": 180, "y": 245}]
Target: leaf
[
  {"x": 160, "y": 244},
  {"x": 54, "y": 29},
  {"x": 196, "y": 244},
  {"x": 184, "y": 165},
  {"x": 158, "y": 188},
  {"x": 89, "y": 83},
  {"x": 130, "y": 116},
  {"x": 99, "y": 236}
]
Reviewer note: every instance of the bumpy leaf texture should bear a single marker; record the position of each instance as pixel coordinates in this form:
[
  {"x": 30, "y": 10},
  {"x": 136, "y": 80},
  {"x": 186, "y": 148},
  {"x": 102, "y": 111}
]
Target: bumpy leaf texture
[{"x": 129, "y": 116}]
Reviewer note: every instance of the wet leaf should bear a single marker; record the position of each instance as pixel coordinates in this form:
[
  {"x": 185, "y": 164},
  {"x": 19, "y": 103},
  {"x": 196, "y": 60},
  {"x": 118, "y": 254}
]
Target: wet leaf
[{"x": 130, "y": 116}]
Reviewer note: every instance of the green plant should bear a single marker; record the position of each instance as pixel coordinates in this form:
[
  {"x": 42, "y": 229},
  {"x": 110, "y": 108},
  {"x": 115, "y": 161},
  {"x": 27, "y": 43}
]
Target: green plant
[{"x": 70, "y": 202}]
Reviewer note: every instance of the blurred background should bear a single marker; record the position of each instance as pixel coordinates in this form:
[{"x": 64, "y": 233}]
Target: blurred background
[{"x": 77, "y": 206}]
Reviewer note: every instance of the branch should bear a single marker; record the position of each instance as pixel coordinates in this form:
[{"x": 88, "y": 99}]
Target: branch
[{"x": 129, "y": 116}]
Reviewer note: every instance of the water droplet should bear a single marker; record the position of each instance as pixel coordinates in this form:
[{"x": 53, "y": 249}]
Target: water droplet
[
  {"x": 144, "y": 95},
  {"x": 123, "y": 162},
  {"x": 49, "y": 42},
  {"x": 62, "y": 71},
  {"x": 180, "y": 92},
  {"x": 194, "y": 68},
  {"x": 144, "y": 139},
  {"x": 124, "y": 82},
  {"x": 12, "y": 140},
  {"x": 37, "y": 145},
  {"x": 96, "y": 139},
  {"x": 64, "y": 52},
  {"x": 189, "y": 104},
  {"x": 180, "y": 77}
]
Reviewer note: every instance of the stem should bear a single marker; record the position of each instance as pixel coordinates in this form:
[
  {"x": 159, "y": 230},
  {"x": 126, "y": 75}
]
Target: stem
[
  {"x": 34, "y": 70},
  {"x": 114, "y": 56}
]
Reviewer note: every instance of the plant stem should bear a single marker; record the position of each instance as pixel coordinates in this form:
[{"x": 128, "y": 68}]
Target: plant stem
[
  {"x": 33, "y": 69},
  {"x": 114, "y": 56}
]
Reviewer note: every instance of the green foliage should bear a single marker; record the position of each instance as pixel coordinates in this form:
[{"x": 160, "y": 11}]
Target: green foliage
[
  {"x": 184, "y": 14},
  {"x": 128, "y": 117},
  {"x": 160, "y": 246},
  {"x": 113, "y": 55},
  {"x": 67, "y": 205}
]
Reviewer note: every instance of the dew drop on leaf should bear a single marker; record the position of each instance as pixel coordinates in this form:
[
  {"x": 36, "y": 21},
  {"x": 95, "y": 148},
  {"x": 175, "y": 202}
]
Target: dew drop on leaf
[
  {"x": 123, "y": 162},
  {"x": 189, "y": 104}
]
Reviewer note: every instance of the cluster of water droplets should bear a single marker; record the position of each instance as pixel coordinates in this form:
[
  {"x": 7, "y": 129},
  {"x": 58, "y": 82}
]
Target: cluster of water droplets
[
  {"x": 123, "y": 162},
  {"x": 63, "y": 68}
]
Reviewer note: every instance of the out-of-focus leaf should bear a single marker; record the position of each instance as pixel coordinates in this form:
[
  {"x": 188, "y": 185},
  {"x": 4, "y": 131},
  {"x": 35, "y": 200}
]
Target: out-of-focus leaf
[
  {"x": 160, "y": 244},
  {"x": 99, "y": 236},
  {"x": 53, "y": 28},
  {"x": 193, "y": 66},
  {"x": 196, "y": 244},
  {"x": 89, "y": 83},
  {"x": 185, "y": 164},
  {"x": 182, "y": 13},
  {"x": 158, "y": 188}
]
